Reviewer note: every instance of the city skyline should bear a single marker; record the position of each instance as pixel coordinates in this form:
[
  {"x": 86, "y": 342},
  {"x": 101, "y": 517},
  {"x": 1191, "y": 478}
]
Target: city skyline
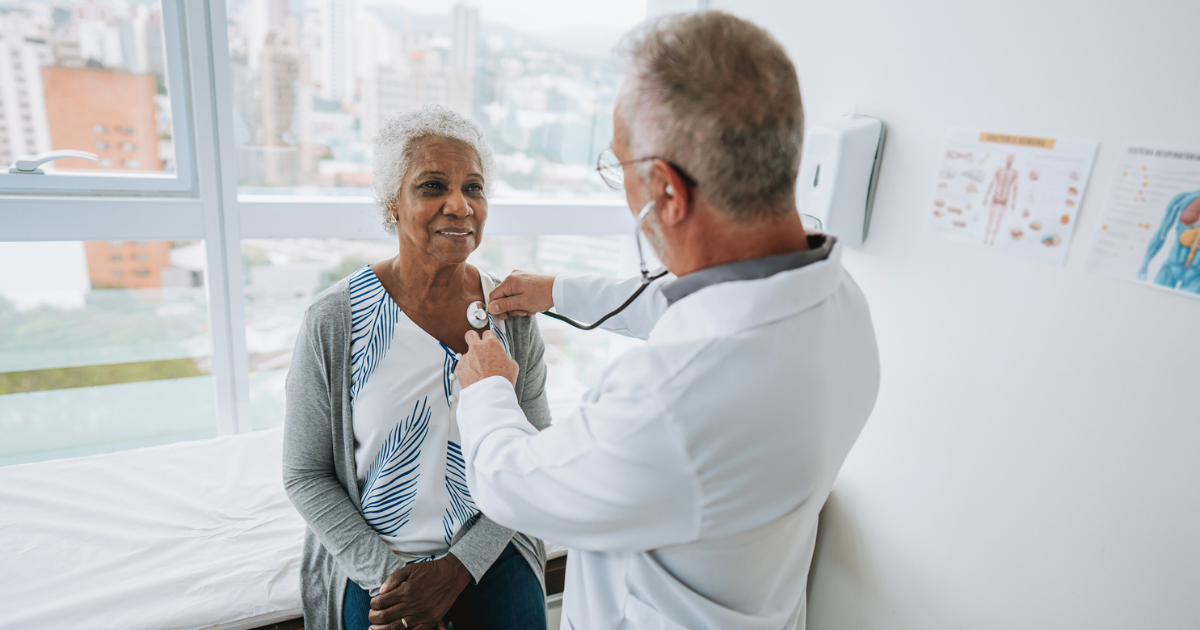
[
  {"x": 62, "y": 63},
  {"x": 312, "y": 81},
  {"x": 546, "y": 111}
]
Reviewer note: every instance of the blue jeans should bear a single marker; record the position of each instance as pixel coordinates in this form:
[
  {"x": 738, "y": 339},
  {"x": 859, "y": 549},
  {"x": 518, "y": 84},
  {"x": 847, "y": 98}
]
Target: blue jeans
[{"x": 507, "y": 597}]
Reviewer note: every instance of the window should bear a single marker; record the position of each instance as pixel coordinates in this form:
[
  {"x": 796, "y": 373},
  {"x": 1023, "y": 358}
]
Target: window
[
  {"x": 311, "y": 87},
  {"x": 93, "y": 75},
  {"x": 104, "y": 86},
  {"x": 155, "y": 295},
  {"x": 93, "y": 359}
]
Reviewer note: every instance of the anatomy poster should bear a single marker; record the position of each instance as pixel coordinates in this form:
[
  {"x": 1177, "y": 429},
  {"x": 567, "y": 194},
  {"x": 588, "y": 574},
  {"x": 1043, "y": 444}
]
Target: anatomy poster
[
  {"x": 1015, "y": 194},
  {"x": 1150, "y": 231}
]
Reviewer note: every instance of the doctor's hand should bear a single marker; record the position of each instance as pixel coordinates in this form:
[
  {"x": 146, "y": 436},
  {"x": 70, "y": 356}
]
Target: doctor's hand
[
  {"x": 417, "y": 596},
  {"x": 485, "y": 357},
  {"x": 522, "y": 294}
]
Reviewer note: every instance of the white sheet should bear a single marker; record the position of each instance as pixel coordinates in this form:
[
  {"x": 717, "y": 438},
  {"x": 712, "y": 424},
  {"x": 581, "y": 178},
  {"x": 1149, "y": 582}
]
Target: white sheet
[
  {"x": 554, "y": 550},
  {"x": 186, "y": 536}
]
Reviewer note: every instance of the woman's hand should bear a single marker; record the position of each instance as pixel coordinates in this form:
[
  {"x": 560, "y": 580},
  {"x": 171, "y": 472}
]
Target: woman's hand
[
  {"x": 418, "y": 595},
  {"x": 485, "y": 357}
]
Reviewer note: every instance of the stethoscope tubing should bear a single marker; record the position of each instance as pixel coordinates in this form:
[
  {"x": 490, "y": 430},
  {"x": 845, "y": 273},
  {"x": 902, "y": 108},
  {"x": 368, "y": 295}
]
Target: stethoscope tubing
[
  {"x": 646, "y": 278},
  {"x": 623, "y": 306}
]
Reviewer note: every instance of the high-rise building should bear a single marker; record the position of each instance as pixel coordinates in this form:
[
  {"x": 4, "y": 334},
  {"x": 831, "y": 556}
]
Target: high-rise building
[
  {"x": 24, "y": 129},
  {"x": 141, "y": 40},
  {"x": 330, "y": 27},
  {"x": 153, "y": 50},
  {"x": 66, "y": 52},
  {"x": 417, "y": 79},
  {"x": 106, "y": 112},
  {"x": 282, "y": 94},
  {"x": 464, "y": 38},
  {"x": 464, "y": 35},
  {"x": 98, "y": 34},
  {"x": 255, "y": 20}
]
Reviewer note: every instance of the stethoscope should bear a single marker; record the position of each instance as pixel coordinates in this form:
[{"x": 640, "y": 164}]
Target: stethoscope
[{"x": 478, "y": 317}]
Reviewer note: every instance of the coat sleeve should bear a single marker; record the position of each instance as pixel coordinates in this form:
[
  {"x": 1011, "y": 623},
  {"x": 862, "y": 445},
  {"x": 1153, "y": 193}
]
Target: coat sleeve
[
  {"x": 309, "y": 474},
  {"x": 485, "y": 540},
  {"x": 614, "y": 476},
  {"x": 587, "y": 298}
]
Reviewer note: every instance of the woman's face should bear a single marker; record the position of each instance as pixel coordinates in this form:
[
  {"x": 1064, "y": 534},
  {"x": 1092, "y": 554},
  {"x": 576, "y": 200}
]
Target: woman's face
[{"x": 441, "y": 209}]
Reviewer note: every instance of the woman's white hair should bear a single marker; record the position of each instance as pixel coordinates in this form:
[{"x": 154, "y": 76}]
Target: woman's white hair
[{"x": 399, "y": 139}]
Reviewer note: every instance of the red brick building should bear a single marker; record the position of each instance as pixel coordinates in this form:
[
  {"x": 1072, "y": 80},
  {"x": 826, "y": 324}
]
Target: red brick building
[
  {"x": 105, "y": 112},
  {"x": 127, "y": 264}
]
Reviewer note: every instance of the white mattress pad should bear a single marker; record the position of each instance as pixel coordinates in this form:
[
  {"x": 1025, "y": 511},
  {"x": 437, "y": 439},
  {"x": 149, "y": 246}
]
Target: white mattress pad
[{"x": 185, "y": 536}]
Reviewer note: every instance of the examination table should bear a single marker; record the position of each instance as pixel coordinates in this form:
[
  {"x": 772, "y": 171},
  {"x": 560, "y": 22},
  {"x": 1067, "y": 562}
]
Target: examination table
[{"x": 185, "y": 536}]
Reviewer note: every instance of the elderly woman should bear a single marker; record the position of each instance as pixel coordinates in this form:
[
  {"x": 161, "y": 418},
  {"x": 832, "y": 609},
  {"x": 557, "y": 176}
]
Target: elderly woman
[{"x": 371, "y": 448}]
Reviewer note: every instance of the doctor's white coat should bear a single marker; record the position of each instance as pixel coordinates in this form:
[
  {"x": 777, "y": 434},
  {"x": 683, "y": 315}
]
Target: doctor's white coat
[{"x": 687, "y": 485}]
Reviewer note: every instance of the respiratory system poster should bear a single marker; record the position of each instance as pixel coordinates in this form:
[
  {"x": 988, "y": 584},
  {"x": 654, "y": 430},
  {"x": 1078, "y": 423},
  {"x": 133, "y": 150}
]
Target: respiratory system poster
[
  {"x": 1150, "y": 231},
  {"x": 1015, "y": 194}
]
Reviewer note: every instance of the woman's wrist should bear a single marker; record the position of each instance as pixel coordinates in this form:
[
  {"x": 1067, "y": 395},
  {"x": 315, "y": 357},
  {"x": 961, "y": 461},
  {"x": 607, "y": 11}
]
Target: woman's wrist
[{"x": 460, "y": 569}]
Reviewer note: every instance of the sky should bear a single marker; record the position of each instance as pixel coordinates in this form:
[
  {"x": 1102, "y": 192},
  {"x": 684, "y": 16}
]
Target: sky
[{"x": 540, "y": 16}]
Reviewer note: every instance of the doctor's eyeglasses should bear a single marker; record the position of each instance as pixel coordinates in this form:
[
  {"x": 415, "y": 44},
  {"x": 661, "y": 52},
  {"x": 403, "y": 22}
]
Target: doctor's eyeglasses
[{"x": 609, "y": 168}]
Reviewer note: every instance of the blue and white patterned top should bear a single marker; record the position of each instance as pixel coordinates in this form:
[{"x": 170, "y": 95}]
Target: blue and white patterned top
[{"x": 411, "y": 472}]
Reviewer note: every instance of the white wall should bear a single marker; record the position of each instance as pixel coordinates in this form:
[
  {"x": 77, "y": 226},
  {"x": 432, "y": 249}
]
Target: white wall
[{"x": 1034, "y": 457}]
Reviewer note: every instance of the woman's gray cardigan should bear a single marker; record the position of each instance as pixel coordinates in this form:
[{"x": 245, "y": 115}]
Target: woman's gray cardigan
[{"x": 319, "y": 472}]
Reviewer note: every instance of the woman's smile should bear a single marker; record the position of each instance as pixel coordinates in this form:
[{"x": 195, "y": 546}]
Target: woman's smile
[{"x": 461, "y": 236}]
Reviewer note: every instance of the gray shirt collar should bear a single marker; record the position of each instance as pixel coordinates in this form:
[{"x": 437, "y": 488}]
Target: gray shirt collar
[{"x": 819, "y": 247}]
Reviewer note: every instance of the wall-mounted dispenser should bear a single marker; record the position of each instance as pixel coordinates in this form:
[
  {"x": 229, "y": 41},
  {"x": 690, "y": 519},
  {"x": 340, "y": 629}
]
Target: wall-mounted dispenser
[{"x": 838, "y": 172}]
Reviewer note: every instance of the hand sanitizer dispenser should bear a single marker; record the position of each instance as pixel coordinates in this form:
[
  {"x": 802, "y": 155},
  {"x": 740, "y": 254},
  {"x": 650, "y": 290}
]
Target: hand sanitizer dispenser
[{"x": 838, "y": 172}]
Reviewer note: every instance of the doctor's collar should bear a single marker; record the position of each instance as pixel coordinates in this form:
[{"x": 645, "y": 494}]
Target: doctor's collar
[{"x": 819, "y": 248}]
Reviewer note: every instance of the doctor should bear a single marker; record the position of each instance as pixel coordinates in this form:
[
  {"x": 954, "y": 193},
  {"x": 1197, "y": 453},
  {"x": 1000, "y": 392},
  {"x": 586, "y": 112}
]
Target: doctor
[{"x": 688, "y": 483}]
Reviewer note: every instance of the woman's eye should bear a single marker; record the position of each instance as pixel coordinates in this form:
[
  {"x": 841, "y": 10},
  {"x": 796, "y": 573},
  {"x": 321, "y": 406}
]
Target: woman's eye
[
  {"x": 433, "y": 185},
  {"x": 475, "y": 188}
]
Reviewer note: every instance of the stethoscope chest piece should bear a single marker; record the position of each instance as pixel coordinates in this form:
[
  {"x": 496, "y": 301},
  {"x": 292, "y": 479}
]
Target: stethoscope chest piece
[{"x": 477, "y": 315}]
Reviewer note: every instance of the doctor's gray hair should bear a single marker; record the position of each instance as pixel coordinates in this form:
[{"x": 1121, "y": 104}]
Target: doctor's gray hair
[
  {"x": 401, "y": 136},
  {"x": 719, "y": 97}
]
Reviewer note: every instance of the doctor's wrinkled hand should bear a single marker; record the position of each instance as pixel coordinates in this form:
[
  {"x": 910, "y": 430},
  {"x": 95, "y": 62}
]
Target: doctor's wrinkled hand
[
  {"x": 485, "y": 357},
  {"x": 522, "y": 294}
]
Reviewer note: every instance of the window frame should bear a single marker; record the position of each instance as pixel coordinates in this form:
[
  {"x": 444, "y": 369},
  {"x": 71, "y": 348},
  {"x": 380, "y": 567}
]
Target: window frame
[
  {"x": 357, "y": 217},
  {"x": 181, "y": 182},
  {"x": 201, "y": 201}
]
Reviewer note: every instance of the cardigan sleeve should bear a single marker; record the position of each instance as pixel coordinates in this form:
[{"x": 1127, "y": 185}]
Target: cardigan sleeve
[
  {"x": 531, "y": 382},
  {"x": 309, "y": 471}
]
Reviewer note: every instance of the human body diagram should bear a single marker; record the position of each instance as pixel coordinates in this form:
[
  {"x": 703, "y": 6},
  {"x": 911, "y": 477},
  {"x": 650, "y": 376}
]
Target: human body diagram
[
  {"x": 1001, "y": 193},
  {"x": 1181, "y": 270}
]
